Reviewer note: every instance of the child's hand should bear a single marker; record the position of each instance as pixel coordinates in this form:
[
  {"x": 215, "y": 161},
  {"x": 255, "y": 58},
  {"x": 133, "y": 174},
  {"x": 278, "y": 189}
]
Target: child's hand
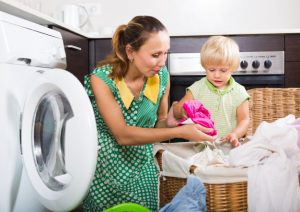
[
  {"x": 181, "y": 114},
  {"x": 232, "y": 138},
  {"x": 184, "y": 116}
]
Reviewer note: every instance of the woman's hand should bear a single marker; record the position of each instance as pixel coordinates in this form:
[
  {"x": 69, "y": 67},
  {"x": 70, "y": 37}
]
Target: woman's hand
[
  {"x": 232, "y": 138},
  {"x": 196, "y": 132}
]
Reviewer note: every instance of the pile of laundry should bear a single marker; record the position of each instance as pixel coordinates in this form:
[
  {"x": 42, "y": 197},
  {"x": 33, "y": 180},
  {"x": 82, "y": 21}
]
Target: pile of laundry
[
  {"x": 269, "y": 162},
  {"x": 273, "y": 160}
]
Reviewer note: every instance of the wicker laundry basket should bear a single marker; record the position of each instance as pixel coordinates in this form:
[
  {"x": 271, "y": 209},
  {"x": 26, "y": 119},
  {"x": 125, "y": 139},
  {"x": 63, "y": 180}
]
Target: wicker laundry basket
[
  {"x": 269, "y": 104},
  {"x": 219, "y": 197},
  {"x": 266, "y": 104}
]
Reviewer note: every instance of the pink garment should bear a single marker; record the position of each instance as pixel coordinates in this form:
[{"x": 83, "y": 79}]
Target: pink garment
[{"x": 196, "y": 111}]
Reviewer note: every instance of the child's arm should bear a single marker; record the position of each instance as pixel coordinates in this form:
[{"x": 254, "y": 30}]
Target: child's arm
[
  {"x": 243, "y": 120},
  {"x": 178, "y": 111}
]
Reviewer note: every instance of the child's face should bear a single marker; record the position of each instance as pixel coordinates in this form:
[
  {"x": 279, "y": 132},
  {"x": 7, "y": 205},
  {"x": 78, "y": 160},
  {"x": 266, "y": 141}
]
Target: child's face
[{"x": 218, "y": 75}]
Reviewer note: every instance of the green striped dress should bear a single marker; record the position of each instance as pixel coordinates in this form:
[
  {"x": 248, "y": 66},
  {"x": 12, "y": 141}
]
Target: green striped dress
[{"x": 125, "y": 173}]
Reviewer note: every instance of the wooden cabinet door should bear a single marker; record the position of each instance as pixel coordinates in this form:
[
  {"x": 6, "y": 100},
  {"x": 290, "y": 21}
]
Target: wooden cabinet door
[
  {"x": 77, "y": 52},
  {"x": 99, "y": 49},
  {"x": 292, "y": 60}
]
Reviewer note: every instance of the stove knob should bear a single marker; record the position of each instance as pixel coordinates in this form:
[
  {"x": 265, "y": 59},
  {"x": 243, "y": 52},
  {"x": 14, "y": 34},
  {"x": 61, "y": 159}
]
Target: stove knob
[
  {"x": 268, "y": 64},
  {"x": 255, "y": 64},
  {"x": 244, "y": 64}
]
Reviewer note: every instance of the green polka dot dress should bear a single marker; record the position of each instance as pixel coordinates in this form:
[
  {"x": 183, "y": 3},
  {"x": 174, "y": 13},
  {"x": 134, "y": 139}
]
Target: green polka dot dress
[{"x": 124, "y": 173}]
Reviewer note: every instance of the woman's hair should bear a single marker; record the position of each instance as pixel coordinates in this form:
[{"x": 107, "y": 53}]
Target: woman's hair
[
  {"x": 220, "y": 50},
  {"x": 135, "y": 33}
]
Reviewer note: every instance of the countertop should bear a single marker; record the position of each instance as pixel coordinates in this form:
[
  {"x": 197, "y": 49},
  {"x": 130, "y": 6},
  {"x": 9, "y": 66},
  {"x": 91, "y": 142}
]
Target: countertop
[
  {"x": 25, "y": 12},
  {"x": 22, "y": 11}
]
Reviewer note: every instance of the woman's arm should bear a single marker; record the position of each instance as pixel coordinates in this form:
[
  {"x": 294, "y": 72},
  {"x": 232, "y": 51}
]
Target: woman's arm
[
  {"x": 163, "y": 108},
  {"x": 130, "y": 135}
]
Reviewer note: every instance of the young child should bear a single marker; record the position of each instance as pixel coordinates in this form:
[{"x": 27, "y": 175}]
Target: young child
[{"x": 225, "y": 99}]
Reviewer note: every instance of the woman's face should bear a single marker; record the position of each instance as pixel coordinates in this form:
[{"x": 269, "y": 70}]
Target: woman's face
[
  {"x": 152, "y": 55},
  {"x": 218, "y": 75}
]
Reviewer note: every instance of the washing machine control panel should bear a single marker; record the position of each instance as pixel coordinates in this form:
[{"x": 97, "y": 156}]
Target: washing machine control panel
[{"x": 44, "y": 48}]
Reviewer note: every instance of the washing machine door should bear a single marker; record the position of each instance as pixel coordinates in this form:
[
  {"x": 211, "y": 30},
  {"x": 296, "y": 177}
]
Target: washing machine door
[{"x": 59, "y": 139}]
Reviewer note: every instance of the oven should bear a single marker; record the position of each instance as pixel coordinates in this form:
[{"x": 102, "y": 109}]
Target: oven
[{"x": 257, "y": 69}]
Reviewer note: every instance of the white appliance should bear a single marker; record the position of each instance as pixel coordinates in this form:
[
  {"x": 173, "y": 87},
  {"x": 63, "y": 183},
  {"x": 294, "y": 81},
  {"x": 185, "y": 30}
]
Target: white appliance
[
  {"x": 74, "y": 15},
  {"x": 48, "y": 136}
]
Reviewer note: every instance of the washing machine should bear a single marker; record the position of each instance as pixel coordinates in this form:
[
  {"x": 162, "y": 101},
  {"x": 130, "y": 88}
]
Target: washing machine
[{"x": 48, "y": 136}]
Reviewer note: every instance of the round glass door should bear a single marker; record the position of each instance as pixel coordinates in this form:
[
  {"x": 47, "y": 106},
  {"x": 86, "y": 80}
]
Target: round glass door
[
  {"x": 58, "y": 139},
  {"x": 52, "y": 113}
]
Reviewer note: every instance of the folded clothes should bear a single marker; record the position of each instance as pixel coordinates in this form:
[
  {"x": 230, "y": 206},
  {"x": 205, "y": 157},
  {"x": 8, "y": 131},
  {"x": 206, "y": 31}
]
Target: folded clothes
[{"x": 198, "y": 113}]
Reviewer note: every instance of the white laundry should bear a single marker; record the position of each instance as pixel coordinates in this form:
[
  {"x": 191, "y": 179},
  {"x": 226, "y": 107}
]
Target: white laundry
[
  {"x": 178, "y": 158},
  {"x": 208, "y": 154},
  {"x": 272, "y": 156},
  {"x": 273, "y": 186},
  {"x": 174, "y": 165}
]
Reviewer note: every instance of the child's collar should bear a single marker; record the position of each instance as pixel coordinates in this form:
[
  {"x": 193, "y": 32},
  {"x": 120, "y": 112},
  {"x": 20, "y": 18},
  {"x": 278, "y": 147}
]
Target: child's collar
[{"x": 217, "y": 90}]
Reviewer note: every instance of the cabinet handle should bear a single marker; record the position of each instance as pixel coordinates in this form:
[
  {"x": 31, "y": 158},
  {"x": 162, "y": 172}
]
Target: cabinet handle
[{"x": 73, "y": 47}]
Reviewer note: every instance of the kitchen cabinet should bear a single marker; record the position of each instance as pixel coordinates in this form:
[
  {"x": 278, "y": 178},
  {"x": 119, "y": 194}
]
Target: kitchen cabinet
[
  {"x": 99, "y": 49},
  {"x": 292, "y": 60},
  {"x": 77, "y": 52}
]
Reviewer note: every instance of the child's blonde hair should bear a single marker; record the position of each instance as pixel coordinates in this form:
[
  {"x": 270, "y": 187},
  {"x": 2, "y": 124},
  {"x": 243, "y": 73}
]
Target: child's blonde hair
[{"x": 220, "y": 50}]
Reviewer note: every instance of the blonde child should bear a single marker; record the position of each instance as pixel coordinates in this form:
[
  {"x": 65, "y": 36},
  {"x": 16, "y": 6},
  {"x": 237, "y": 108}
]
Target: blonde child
[{"x": 226, "y": 100}]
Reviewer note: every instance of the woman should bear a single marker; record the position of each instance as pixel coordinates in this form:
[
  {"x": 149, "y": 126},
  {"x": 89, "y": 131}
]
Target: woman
[{"x": 129, "y": 91}]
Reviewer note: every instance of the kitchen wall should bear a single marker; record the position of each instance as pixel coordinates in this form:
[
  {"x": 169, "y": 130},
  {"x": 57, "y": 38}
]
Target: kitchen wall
[{"x": 192, "y": 17}]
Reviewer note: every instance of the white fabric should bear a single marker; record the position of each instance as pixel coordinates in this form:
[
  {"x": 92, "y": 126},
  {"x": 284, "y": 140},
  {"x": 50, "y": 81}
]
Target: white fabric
[
  {"x": 273, "y": 159},
  {"x": 221, "y": 175},
  {"x": 174, "y": 164},
  {"x": 188, "y": 121},
  {"x": 178, "y": 157},
  {"x": 208, "y": 155},
  {"x": 273, "y": 186}
]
